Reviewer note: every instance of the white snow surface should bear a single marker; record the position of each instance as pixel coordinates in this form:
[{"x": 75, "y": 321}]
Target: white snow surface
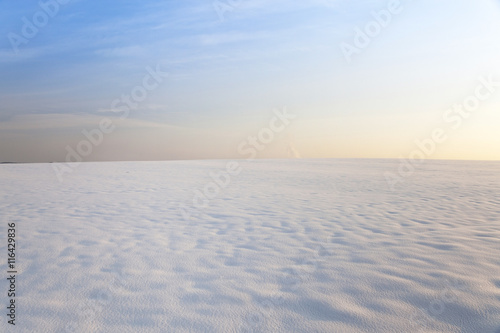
[{"x": 287, "y": 246}]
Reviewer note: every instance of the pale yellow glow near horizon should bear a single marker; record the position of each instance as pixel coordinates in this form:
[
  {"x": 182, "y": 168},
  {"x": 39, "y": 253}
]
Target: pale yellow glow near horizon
[{"x": 392, "y": 136}]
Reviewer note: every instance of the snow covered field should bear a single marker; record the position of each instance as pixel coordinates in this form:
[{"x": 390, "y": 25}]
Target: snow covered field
[{"x": 286, "y": 246}]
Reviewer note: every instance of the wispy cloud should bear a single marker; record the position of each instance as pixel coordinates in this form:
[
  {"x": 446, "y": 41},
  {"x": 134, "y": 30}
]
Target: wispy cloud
[
  {"x": 71, "y": 121},
  {"x": 128, "y": 51},
  {"x": 230, "y": 37},
  {"x": 8, "y": 56}
]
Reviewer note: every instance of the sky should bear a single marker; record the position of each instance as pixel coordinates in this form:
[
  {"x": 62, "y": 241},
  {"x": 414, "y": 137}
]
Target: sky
[{"x": 243, "y": 79}]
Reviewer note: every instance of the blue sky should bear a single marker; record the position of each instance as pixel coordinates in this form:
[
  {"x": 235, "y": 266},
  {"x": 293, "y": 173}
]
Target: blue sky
[{"x": 226, "y": 75}]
